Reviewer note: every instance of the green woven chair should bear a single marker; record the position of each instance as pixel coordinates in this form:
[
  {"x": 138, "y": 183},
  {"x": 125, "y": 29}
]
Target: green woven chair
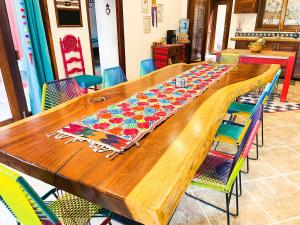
[
  {"x": 30, "y": 209},
  {"x": 244, "y": 109},
  {"x": 233, "y": 133},
  {"x": 220, "y": 171}
]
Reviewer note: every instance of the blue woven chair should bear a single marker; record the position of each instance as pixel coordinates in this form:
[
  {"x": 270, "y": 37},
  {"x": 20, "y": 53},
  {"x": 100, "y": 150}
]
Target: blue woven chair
[
  {"x": 113, "y": 76},
  {"x": 233, "y": 133},
  {"x": 244, "y": 109},
  {"x": 146, "y": 66},
  {"x": 220, "y": 171}
]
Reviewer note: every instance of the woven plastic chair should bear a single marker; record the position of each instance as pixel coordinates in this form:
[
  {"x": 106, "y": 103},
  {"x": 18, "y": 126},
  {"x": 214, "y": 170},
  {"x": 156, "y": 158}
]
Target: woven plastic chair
[
  {"x": 30, "y": 209},
  {"x": 229, "y": 58},
  {"x": 59, "y": 91},
  {"x": 220, "y": 171},
  {"x": 113, "y": 76},
  {"x": 146, "y": 66},
  {"x": 233, "y": 133},
  {"x": 244, "y": 109}
]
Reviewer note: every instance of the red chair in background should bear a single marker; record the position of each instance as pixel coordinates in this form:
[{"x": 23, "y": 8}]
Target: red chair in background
[{"x": 72, "y": 55}]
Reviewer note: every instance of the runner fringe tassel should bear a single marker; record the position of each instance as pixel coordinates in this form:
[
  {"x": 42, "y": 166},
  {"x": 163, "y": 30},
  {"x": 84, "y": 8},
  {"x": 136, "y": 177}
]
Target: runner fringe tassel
[{"x": 94, "y": 145}]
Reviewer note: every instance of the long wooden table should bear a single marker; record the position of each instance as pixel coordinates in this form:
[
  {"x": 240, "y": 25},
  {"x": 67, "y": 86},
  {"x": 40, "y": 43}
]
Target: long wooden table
[
  {"x": 147, "y": 182},
  {"x": 285, "y": 59}
]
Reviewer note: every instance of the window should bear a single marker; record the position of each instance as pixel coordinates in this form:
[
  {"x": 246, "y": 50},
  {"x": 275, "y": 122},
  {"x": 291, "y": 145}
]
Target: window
[{"x": 278, "y": 15}]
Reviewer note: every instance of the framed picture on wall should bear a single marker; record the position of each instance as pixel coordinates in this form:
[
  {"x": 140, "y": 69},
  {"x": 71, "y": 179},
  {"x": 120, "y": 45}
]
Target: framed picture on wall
[
  {"x": 147, "y": 24},
  {"x": 160, "y": 12},
  {"x": 68, "y": 13},
  {"x": 144, "y": 6}
]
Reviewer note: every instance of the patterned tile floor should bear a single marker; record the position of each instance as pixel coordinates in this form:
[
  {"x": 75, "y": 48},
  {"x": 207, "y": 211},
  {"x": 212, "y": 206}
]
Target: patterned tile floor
[{"x": 271, "y": 191}]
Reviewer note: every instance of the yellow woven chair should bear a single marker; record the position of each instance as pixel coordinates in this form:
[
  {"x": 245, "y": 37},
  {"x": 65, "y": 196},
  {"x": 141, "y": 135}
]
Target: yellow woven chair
[
  {"x": 229, "y": 58},
  {"x": 30, "y": 209}
]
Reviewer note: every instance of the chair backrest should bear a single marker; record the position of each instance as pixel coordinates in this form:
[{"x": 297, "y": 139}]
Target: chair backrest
[
  {"x": 59, "y": 91},
  {"x": 113, "y": 76},
  {"x": 261, "y": 99},
  {"x": 229, "y": 58},
  {"x": 244, "y": 147},
  {"x": 71, "y": 45},
  {"x": 146, "y": 66},
  {"x": 274, "y": 81},
  {"x": 24, "y": 203}
]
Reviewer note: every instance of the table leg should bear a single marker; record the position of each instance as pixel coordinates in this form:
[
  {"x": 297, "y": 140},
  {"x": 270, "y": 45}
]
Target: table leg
[{"x": 287, "y": 78}]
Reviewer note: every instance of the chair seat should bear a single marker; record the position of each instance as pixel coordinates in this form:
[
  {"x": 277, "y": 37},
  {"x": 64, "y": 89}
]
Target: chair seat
[
  {"x": 229, "y": 133},
  {"x": 86, "y": 81},
  {"x": 241, "y": 109},
  {"x": 73, "y": 210},
  {"x": 214, "y": 171}
]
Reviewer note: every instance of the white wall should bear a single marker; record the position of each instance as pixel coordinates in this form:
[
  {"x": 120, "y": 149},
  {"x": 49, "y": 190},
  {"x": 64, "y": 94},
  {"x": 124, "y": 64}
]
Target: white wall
[
  {"x": 60, "y": 32},
  {"x": 107, "y": 34},
  {"x": 137, "y": 43}
]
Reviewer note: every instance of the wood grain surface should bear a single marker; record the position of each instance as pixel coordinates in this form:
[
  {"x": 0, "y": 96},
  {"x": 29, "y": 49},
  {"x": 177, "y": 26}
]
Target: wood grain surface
[
  {"x": 247, "y": 52},
  {"x": 145, "y": 183}
]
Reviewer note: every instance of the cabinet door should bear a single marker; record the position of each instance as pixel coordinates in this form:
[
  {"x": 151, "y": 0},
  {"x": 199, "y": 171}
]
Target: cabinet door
[
  {"x": 288, "y": 47},
  {"x": 245, "y": 6}
]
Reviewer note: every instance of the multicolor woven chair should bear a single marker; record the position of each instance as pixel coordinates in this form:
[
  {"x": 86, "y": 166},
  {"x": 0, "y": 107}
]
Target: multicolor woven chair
[
  {"x": 244, "y": 109},
  {"x": 146, "y": 66},
  {"x": 113, "y": 76},
  {"x": 233, "y": 133},
  {"x": 59, "y": 91},
  {"x": 220, "y": 171},
  {"x": 228, "y": 58},
  {"x": 30, "y": 209}
]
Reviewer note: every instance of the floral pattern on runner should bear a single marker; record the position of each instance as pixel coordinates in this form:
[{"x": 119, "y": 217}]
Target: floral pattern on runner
[{"x": 121, "y": 125}]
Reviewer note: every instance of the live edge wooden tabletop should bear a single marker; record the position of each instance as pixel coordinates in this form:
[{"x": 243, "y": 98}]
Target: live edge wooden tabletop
[{"x": 147, "y": 182}]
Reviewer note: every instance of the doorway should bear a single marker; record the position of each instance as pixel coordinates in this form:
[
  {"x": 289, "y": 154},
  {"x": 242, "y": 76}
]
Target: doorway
[
  {"x": 198, "y": 11},
  {"x": 220, "y": 25},
  {"x": 106, "y": 34},
  {"x": 94, "y": 37}
]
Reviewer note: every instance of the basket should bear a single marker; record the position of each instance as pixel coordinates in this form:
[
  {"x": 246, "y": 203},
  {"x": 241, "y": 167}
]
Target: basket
[{"x": 255, "y": 48}]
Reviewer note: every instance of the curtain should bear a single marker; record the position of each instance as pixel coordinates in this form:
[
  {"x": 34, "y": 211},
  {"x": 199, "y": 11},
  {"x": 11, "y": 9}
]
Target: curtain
[
  {"x": 40, "y": 53},
  {"x": 14, "y": 27}
]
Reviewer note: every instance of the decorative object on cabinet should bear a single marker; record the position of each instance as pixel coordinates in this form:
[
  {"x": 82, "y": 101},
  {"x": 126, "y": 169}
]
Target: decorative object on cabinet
[
  {"x": 160, "y": 12},
  {"x": 257, "y": 46},
  {"x": 278, "y": 15},
  {"x": 171, "y": 36},
  {"x": 71, "y": 45},
  {"x": 245, "y": 6},
  {"x": 144, "y": 6},
  {"x": 147, "y": 24},
  {"x": 68, "y": 13},
  {"x": 107, "y": 9},
  {"x": 184, "y": 26}
]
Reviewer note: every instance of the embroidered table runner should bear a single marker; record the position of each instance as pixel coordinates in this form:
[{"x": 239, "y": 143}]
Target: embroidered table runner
[{"x": 121, "y": 125}]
